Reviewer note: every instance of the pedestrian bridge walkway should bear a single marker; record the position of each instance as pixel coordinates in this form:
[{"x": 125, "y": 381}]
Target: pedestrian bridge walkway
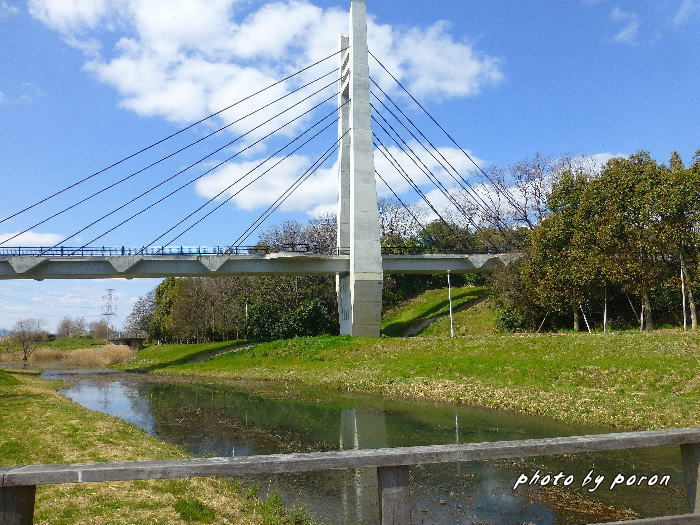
[{"x": 103, "y": 265}]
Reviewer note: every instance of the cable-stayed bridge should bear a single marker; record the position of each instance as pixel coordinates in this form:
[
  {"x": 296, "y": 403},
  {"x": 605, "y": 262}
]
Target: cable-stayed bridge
[{"x": 368, "y": 120}]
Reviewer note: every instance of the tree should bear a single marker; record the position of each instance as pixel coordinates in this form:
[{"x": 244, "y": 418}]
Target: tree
[
  {"x": 27, "y": 334},
  {"x": 679, "y": 210},
  {"x": 625, "y": 224},
  {"x": 68, "y": 327},
  {"x": 141, "y": 314},
  {"x": 100, "y": 329}
]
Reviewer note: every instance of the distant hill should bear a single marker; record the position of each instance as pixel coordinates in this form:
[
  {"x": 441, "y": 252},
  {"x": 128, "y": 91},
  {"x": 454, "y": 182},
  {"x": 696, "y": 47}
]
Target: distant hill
[{"x": 4, "y": 332}]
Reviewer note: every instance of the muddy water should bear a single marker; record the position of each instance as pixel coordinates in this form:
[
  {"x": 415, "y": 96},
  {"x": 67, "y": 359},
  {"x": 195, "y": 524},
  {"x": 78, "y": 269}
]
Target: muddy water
[{"x": 221, "y": 420}]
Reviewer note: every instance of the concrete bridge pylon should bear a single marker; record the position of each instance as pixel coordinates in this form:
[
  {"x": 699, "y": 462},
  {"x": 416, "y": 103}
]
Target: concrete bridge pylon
[{"x": 360, "y": 290}]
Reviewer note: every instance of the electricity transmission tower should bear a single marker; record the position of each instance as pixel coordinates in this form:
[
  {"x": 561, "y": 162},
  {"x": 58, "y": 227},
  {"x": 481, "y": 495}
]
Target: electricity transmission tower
[{"x": 110, "y": 309}]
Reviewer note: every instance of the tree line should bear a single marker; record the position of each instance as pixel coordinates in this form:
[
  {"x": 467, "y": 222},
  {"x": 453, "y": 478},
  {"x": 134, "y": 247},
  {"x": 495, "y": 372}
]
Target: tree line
[
  {"x": 610, "y": 247},
  {"x": 616, "y": 248}
]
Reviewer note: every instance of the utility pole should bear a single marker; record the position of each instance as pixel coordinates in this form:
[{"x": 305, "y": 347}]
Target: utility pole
[{"x": 449, "y": 295}]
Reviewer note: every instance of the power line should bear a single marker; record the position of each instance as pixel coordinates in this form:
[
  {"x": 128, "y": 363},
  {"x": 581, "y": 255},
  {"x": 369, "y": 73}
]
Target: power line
[
  {"x": 14, "y": 286},
  {"x": 124, "y": 179},
  {"x": 504, "y": 190},
  {"x": 192, "y": 180},
  {"x": 247, "y": 185},
  {"x": 168, "y": 137},
  {"x": 37, "y": 303},
  {"x": 286, "y": 194}
]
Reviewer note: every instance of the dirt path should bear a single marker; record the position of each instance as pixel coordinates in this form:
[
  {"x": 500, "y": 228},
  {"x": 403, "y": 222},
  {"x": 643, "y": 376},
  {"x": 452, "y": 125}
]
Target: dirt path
[
  {"x": 417, "y": 327},
  {"x": 222, "y": 351}
]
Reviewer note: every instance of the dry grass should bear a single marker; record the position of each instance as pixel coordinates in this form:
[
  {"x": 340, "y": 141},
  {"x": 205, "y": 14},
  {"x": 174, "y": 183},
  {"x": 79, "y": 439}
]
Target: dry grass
[{"x": 100, "y": 356}]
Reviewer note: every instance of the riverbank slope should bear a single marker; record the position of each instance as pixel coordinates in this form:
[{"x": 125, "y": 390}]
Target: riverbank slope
[
  {"x": 38, "y": 425},
  {"x": 627, "y": 380}
]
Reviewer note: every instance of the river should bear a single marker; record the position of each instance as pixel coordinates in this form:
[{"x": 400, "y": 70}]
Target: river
[{"x": 220, "y": 420}]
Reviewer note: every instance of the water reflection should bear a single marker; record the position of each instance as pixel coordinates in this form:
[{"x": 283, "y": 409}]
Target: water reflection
[{"x": 222, "y": 421}]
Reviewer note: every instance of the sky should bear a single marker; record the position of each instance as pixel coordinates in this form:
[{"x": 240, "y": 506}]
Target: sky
[{"x": 84, "y": 84}]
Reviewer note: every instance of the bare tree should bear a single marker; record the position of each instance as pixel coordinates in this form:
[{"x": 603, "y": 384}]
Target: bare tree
[
  {"x": 65, "y": 327},
  {"x": 70, "y": 327},
  {"x": 27, "y": 334},
  {"x": 100, "y": 329},
  {"x": 517, "y": 195},
  {"x": 397, "y": 222}
]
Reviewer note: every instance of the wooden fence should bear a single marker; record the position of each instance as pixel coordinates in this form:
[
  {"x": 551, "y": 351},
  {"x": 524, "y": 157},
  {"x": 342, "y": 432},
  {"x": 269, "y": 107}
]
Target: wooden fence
[{"x": 18, "y": 484}]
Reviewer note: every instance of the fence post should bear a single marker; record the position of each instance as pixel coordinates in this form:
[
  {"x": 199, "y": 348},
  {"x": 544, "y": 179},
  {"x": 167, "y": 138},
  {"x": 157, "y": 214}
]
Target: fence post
[
  {"x": 691, "y": 468},
  {"x": 17, "y": 505},
  {"x": 394, "y": 501}
]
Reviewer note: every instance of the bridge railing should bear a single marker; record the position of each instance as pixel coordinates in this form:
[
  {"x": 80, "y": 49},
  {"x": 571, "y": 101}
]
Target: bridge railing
[
  {"x": 258, "y": 249},
  {"x": 18, "y": 484},
  {"x": 108, "y": 251}
]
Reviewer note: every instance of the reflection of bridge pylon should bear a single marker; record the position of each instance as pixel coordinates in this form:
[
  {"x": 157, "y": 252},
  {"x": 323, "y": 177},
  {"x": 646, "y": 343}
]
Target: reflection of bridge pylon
[{"x": 362, "y": 429}]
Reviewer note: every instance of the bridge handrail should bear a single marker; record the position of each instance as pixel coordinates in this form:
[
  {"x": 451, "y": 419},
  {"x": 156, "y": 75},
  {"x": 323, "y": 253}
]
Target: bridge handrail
[
  {"x": 391, "y": 463},
  {"x": 110, "y": 251},
  {"x": 258, "y": 249}
]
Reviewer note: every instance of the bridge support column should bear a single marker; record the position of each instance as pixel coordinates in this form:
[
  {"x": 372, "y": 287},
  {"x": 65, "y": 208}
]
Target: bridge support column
[
  {"x": 342, "y": 281},
  {"x": 358, "y": 217}
]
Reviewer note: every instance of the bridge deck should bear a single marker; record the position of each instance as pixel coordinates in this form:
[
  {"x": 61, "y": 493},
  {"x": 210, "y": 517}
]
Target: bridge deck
[{"x": 138, "y": 266}]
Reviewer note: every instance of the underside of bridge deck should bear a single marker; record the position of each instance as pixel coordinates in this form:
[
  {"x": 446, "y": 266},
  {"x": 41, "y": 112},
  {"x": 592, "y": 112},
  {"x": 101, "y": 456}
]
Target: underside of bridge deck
[{"x": 131, "y": 267}]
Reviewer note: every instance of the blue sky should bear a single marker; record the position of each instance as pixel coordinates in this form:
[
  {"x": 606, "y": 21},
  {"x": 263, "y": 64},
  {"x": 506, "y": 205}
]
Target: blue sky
[{"x": 84, "y": 83}]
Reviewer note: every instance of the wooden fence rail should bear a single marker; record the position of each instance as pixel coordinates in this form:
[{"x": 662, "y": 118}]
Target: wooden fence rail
[{"x": 18, "y": 484}]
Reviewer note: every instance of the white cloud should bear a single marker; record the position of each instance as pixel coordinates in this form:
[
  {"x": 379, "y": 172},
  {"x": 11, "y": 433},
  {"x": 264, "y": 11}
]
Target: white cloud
[
  {"x": 7, "y": 10},
  {"x": 686, "y": 10},
  {"x": 182, "y": 59},
  {"x": 630, "y": 29},
  {"x": 32, "y": 239},
  {"x": 318, "y": 195},
  {"x": 29, "y": 94},
  {"x": 68, "y": 16}
]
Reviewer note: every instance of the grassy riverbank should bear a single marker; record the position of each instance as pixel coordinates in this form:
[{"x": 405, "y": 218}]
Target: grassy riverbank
[
  {"x": 627, "y": 380},
  {"x": 417, "y": 315},
  {"x": 38, "y": 425}
]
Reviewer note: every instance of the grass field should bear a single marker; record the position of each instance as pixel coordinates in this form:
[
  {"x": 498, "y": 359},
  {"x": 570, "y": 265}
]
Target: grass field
[
  {"x": 627, "y": 380},
  {"x": 38, "y": 425},
  {"x": 160, "y": 356},
  {"x": 429, "y": 307},
  {"x": 12, "y": 352}
]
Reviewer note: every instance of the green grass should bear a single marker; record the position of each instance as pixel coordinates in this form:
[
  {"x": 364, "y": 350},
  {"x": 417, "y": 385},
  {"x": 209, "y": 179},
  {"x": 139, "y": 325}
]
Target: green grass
[
  {"x": 193, "y": 510},
  {"x": 73, "y": 343},
  {"x": 628, "y": 380},
  {"x": 159, "y": 356},
  {"x": 64, "y": 343},
  {"x": 7, "y": 379},
  {"x": 38, "y": 425},
  {"x": 477, "y": 319},
  {"x": 432, "y": 304}
]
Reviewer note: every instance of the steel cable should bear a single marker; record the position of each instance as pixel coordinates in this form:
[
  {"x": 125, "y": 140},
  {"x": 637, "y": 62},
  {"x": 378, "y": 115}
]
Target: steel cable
[{"x": 124, "y": 159}]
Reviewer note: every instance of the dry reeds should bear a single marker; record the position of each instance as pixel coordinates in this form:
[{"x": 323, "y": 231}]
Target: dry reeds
[{"x": 86, "y": 357}]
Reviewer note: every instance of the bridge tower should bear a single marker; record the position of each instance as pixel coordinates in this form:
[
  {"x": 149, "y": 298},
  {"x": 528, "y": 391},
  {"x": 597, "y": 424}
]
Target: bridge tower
[{"x": 359, "y": 291}]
